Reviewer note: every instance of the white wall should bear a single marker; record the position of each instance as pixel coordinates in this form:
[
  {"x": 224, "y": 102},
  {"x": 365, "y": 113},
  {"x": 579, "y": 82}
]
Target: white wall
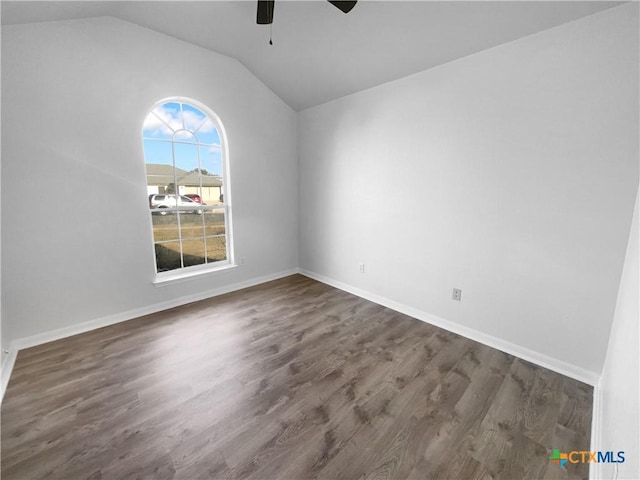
[
  {"x": 619, "y": 418},
  {"x": 76, "y": 229},
  {"x": 510, "y": 174}
]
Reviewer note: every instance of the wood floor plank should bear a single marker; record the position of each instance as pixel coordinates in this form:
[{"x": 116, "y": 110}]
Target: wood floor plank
[{"x": 291, "y": 379}]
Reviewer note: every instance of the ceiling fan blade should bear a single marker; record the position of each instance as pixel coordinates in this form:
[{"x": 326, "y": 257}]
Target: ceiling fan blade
[
  {"x": 265, "y": 12},
  {"x": 344, "y": 6}
]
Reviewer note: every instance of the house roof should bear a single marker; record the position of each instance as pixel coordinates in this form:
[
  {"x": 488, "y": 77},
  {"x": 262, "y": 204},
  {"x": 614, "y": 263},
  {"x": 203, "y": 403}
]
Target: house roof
[{"x": 162, "y": 175}]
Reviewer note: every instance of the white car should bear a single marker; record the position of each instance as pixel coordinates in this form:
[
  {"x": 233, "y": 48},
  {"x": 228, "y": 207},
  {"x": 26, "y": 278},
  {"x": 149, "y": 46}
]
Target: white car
[{"x": 161, "y": 203}]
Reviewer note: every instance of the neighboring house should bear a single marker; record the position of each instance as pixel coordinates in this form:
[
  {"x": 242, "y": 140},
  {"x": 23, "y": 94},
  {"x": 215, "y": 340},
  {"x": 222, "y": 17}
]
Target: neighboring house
[{"x": 160, "y": 180}]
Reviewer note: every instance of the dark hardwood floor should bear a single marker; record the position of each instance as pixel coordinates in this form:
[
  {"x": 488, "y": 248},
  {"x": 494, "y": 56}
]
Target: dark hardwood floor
[{"x": 291, "y": 379}]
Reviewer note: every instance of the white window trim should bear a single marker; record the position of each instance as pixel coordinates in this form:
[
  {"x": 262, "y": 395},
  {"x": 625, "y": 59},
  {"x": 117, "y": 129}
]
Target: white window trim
[
  {"x": 187, "y": 273},
  {"x": 172, "y": 277}
]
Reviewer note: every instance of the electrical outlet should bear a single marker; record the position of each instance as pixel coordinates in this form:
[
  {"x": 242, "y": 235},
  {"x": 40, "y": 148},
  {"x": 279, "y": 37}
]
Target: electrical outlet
[
  {"x": 362, "y": 268},
  {"x": 457, "y": 294},
  {"x": 242, "y": 261}
]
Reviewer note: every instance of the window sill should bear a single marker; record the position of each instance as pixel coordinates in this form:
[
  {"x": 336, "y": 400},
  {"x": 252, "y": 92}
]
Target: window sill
[{"x": 171, "y": 278}]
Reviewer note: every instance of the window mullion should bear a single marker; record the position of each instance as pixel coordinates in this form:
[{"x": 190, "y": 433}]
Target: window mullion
[
  {"x": 184, "y": 126},
  {"x": 204, "y": 224},
  {"x": 162, "y": 120},
  {"x": 176, "y": 192}
]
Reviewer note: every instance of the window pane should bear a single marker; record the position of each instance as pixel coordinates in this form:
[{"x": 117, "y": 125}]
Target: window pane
[
  {"x": 211, "y": 190},
  {"x": 158, "y": 166},
  {"x": 191, "y": 226},
  {"x": 216, "y": 249},
  {"x": 168, "y": 256},
  {"x": 193, "y": 193},
  {"x": 208, "y": 133},
  {"x": 162, "y": 122},
  {"x": 157, "y": 152},
  {"x": 158, "y": 159},
  {"x": 193, "y": 252},
  {"x": 214, "y": 222},
  {"x": 185, "y": 136},
  {"x": 155, "y": 127},
  {"x": 210, "y": 195},
  {"x": 189, "y": 182},
  {"x": 212, "y": 182},
  {"x": 194, "y": 119},
  {"x": 165, "y": 227},
  {"x": 186, "y": 157},
  {"x": 211, "y": 161},
  {"x": 169, "y": 113}
]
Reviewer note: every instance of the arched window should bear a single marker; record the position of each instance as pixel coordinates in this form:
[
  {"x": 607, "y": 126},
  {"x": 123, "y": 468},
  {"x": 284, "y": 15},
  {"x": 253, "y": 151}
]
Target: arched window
[{"x": 188, "y": 186}]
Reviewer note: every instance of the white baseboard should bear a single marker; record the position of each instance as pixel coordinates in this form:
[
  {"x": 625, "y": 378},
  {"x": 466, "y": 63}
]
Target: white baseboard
[
  {"x": 564, "y": 368},
  {"x": 7, "y": 368},
  {"x": 559, "y": 366},
  {"x": 52, "y": 335}
]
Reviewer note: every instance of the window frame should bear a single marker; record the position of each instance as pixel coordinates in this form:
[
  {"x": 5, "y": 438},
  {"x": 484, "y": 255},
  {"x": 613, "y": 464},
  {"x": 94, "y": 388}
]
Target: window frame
[{"x": 186, "y": 272}]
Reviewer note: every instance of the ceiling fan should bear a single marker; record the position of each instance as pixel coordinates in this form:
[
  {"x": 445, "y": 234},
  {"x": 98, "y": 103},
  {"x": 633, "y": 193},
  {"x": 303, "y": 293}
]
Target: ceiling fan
[{"x": 265, "y": 9}]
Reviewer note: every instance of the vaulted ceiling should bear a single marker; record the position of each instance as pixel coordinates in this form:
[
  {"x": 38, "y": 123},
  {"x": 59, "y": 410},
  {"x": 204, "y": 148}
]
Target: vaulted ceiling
[{"x": 318, "y": 53}]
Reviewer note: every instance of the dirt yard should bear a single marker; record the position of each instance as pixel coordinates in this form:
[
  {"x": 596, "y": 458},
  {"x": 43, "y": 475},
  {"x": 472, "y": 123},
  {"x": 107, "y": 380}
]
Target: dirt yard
[{"x": 203, "y": 239}]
